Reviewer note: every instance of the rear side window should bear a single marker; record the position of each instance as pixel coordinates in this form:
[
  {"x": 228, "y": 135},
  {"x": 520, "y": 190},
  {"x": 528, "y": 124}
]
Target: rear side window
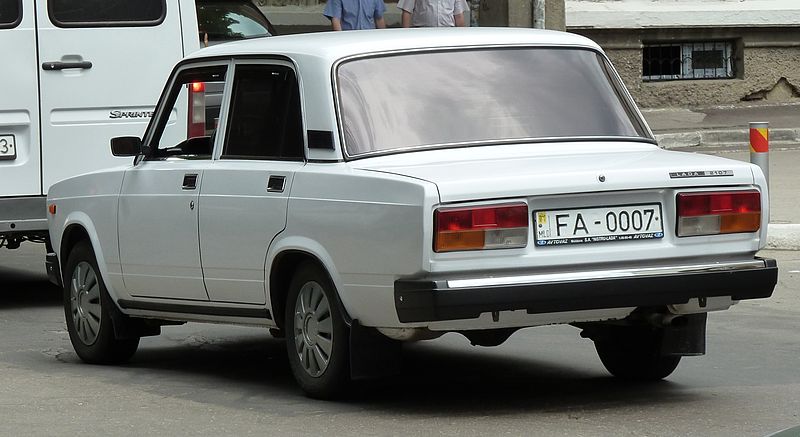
[
  {"x": 265, "y": 118},
  {"x": 106, "y": 13},
  {"x": 10, "y": 13}
]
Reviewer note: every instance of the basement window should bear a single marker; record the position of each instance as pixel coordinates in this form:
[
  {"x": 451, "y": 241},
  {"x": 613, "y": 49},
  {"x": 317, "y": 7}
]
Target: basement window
[{"x": 688, "y": 60}]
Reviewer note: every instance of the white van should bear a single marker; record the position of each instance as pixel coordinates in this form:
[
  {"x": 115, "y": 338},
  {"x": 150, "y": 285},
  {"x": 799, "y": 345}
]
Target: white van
[{"x": 77, "y": 72}]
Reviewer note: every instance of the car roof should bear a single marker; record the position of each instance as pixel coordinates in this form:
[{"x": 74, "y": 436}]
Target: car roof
[{"x": 337, "y": 45}]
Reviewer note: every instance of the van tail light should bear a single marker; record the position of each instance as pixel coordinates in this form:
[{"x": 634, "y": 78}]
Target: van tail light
[
  {"x": 485, "y": 227},
  {"x": 197, "y": 109},
  {"x": 719, "y": 212}
]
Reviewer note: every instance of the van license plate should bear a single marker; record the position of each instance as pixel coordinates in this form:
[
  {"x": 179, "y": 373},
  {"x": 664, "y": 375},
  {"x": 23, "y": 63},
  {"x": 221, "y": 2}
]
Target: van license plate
[
  {"x": 597, "y": 225},
  {"x": 8, "y": 148}
]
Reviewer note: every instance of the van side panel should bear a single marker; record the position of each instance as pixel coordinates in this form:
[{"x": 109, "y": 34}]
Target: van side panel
[
  {"x": 188, "y": 13},
  {"x": 20, "y": 173},
  {"x": 114, "y": 76}
]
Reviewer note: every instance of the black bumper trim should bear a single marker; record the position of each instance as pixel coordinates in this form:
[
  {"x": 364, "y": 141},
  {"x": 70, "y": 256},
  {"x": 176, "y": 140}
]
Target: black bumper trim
[
  {"x": 53, "y": 269},
  {"x": 425, "y": 300}
]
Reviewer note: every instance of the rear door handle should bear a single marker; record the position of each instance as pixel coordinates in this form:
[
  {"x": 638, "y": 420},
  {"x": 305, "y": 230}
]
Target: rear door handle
[
  {"x": 189, "y": 181},
  {"x": 57, "y": 65}
]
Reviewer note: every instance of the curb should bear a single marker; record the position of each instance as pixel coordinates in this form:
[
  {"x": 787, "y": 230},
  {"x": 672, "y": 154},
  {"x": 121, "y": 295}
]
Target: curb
[
  {"x": 724, "y": 137},
  {"x": 783, "y": 236}
]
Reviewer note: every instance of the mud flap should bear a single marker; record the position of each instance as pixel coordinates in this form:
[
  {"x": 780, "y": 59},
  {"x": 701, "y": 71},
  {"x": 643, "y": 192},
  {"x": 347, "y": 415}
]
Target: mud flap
[
  {"x": 372, "y": 354},
  {"x": 128, "y": 327},
  {"x": 686, "y": 338}
]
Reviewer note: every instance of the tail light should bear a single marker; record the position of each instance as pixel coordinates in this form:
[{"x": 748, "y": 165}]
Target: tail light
[
  {"x": 710, "y": 213},
  {"x": 197, "y": 109},
  {"x": 484, "y": 227}
]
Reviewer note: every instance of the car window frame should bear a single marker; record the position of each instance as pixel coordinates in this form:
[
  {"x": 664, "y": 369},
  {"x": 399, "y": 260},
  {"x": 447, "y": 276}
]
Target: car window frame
[
  {"x": 15, "y": 23},
  {"x": 222, "y": 134},
  {"x": 623, "y": 93},
  {"x": 93, "y": 24},
  {"x": 158, "y": 122}
]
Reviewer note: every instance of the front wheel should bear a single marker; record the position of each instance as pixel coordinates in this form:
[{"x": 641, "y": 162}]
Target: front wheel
[
  {"x": 317, "y": 337},
  {"x": 636, "y": 356},
  {"x": 87, "y": 308}
]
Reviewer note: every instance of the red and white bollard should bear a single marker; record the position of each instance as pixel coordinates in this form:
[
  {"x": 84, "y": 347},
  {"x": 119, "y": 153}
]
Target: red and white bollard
[{"x": 759, "y": 146}]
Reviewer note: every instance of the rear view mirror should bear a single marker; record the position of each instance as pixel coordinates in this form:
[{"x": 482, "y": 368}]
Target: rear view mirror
[{"x": 126, "y": 146}]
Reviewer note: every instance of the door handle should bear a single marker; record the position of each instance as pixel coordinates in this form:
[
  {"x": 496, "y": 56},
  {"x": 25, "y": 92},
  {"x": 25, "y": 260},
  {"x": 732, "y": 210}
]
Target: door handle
[
  {"x": 275, "y": 184},
  {"x": 189, "y": 181},
  {"x": 57, "y": 65}
]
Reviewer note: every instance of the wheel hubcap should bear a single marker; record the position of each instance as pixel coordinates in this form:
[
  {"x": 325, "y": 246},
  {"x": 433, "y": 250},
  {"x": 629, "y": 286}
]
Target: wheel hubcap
[
  {"x": 85, "y": 303},
  {"x": 313, "y": 329}
]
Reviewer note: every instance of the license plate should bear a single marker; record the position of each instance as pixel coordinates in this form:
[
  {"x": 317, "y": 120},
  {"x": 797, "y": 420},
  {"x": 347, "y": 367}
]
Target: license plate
[
  {"x": 8, "y": 148},
  {"x": 597, "y": 225}
]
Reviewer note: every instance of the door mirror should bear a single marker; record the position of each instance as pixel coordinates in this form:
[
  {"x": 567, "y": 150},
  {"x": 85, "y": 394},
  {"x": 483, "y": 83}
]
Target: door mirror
[{"x": 126, "y": 146}]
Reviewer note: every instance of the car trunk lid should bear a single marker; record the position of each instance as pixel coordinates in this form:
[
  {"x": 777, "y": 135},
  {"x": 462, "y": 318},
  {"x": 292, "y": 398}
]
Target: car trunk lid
[{"x": 564, "y": 168}]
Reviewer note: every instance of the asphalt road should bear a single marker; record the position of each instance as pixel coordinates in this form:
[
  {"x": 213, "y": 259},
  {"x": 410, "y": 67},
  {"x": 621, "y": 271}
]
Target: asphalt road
[{"x": 200, "y": 379}]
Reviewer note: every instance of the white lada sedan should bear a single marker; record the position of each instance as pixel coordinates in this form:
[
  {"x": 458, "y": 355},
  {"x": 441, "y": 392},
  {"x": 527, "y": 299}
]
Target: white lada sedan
[{"x": 361, "y": 189}]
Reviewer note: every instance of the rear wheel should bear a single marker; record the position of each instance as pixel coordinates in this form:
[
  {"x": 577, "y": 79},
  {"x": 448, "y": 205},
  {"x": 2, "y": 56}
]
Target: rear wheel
[
  {"x": 636, "y": 355},
  {"x": 317, "y": 338},
  {"x": 87, "y": 308}
]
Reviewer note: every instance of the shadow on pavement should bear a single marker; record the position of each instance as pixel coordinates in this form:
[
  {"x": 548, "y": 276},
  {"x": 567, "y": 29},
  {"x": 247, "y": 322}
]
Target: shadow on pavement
[
  {"x": 438, "y": 380},
  {"x": 255, "y": 366},
  {"x": 435, "y": 380},
  {"x": 23, "y": 289}
]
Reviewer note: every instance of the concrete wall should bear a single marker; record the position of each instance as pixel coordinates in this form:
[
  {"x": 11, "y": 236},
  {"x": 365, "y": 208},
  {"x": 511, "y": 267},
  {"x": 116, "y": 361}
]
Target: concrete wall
[
  {"x": 766, "y": 36},
  {"x": 768, "y": 63},
  {"x": 522, "y": 13}
]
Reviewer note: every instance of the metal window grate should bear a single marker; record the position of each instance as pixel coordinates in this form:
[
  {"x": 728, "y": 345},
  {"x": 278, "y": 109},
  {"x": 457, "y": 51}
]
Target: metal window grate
[{"x": 690, "y": 60}]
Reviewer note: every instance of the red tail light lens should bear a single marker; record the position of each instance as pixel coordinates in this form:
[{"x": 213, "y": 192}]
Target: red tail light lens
[
  {"x": 197, "y": 110},
  {"x": 484, "y": 227},
  {"x": 726, "y": 212}
]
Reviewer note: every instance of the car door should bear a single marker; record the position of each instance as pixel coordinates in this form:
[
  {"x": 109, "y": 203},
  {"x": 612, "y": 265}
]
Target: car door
[
  {"x": 101, "y": 66},
  {"x": 158, "y": 206},
  {"x": 19, "y": 106},
  {"x": 244, "y": 196}
]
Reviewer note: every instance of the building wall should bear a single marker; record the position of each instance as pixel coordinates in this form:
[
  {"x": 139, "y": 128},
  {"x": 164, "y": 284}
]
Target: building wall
[
  {"x": 768, "y": 63},
  {"x": 766, "y": 34}
]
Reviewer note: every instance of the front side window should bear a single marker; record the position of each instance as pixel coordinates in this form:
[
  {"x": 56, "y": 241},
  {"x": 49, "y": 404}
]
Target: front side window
[
  {"x": 102, "y": 13},
  {"x": 265, "y": 120},
  {"x": 219, "y": 22},
  {"x": 10, "y": 13},
  {"x": 473, "y": 97},
  {"x": 187, "y": 126}
]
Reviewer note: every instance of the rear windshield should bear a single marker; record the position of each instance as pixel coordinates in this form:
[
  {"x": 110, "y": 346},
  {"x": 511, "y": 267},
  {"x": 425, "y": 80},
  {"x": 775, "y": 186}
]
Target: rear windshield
[
  {"x": 480, "y": 96},
  {"x": 227, "y": 21},
  {"x": 10, "y": 13}
]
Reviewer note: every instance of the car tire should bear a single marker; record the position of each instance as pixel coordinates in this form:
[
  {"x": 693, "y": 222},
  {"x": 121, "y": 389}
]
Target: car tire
[
  {"x": 636, "y": 356},
  {"x": 87, "y": 308},
  {"x": 317, "y": 337}
]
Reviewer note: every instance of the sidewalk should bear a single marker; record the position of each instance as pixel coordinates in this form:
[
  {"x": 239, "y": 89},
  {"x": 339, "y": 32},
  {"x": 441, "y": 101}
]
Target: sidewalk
[{"x": 724, "y": 131}]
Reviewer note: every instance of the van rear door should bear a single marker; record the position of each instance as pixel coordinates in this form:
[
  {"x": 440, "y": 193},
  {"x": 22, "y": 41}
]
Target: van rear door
[
  {"x": 102, "y": 66},
  {"x": 19, "y": 107}
]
